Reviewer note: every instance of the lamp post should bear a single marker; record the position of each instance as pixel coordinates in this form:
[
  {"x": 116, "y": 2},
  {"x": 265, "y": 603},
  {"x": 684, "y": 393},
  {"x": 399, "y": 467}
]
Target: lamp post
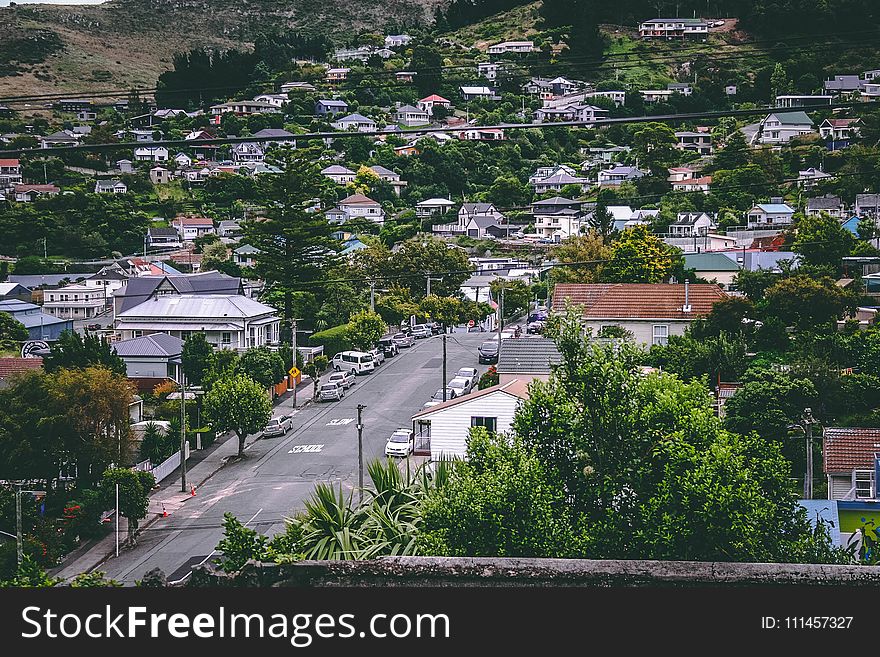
[{"x": 806, "y": 425}]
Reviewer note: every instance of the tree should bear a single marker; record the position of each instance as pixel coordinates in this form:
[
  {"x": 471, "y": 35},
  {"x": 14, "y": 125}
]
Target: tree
[
  {"x": 12, "y": 332},
  {"x": 517, "y": 296},
  {"x": 601, "y": 220},
  {"x": 726, "y": 316},
  {"x": 822, "y": 241},
  {"x": 427, "y": 63},
  {"x": 239, "y": 545},
  {"x": 364, "y": 330},
  {"x": 639, "y": 257},
  {"x": 238, "y": 404},
  {"x": 506, "y": 191},
  {"x": 655, "y": 144},
  {"x": 807, "y": 303},
  {"x": 156, "y": 444},
  {"x": 489, "y": 378},
  {"x": 734, "y": 154},
  {"x": 590, "y": 249},
  {"x": 72, "y": 350},
  {"x": 134, "y": 494},
  {"x": 295, "y": 245},
  {"x": 197, "y": 358},
  {"x": 779, "y": 82},
  {"x": 262, "y": 365},
  {"x": 445, "y": 310},
  {"x": 214, "y": 255},
  {"x": 417, "y": 258}
]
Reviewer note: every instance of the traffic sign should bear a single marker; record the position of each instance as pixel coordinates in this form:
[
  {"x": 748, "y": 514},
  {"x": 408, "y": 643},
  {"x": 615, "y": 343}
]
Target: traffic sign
[
  {"x": 471, "y": 324},
  {"x": 294, "y": 372}
]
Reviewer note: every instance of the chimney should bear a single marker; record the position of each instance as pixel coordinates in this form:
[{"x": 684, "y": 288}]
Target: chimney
[{"x": 687, "y": 298}]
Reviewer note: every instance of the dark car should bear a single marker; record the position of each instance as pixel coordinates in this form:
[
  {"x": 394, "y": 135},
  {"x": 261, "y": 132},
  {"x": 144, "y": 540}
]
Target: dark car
[
  {"x": 436, "y": 327},
  {"x": 489, "y": 352},
  {"x": 388, "y": 346}
]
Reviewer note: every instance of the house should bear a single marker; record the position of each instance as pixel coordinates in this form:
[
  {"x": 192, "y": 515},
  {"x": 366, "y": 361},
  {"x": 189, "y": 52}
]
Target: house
[
  {"x": 125, "y": 166},
  {"x": 390, "y": 177},
  {"x": 526, "y": 359},
  {"x": 405, "y": 76},
  {"x": 247, "y": 152},
  {"x": 160, "y": 175},
  {"x": 242, "y": 108},
  {"x": 475, "y": 92},
  {"x": 406, "y": 150},
  {"x": 28, "y": 193},
  {"x": 14, "y": 291},
  {"x": 334, "y": 75},
  {"x": 109, "y": 279},
  {"x": 229, "y": 229},
  {"x": 110, "y": 187},
  {"x": 843, "y": 84},
  {"x": 548, "y": 89},
  {"x": 228, "y": 321},
  {"x": 790, "y": 101},
  {"x": 808, "y": 178},
  {"x": 151, "y": 360},
  {"x": 651, "y": 312},
  {"x": 700, "y": 184},
  {"x": 86, "y": 115},
  {"x": 275, "y": 137},
  {"x": 674, "y": 28},
  {"x": 358, "y": 206},
  {"x": 585, "y": 113},
  {"x": 151, "y": 154},
  {"x": 688, "y": 224},
  {"x": 715, "y": 267},
  {"x": 40, "y": 326},
  {"x": 433, "y": 206},
  {"x": 276, "y": 100},
  {"x": 618, "y": 174},
  {"x": 339, "y": 174},
  {"x": 698, "y": 142},
  {"x": 59, "y": 139},
  {"x": 428, "y": 103},
  {"x": 411, "y": 116},
  {"x": 355, "y": 122},
  {"x": 76, "y": 302},
  {"x": 623, "y": 216},
  {"x": 442, "y": 431},
  {"x": 10, "y": 173},
  {"x": 850, "y": 462},
  {"x": 518, "y": 47},
  {"x": 183, "y": 160},
  {"x": 397, "y": 40},
  {"x": 870, "y": 91},
  {"x": 655, "y": 95},
  {"x": 164, "y": 238},
  {"x": 468, "y": 211},
  {"x": 190, "y": 227},
  {"x": 481, "y": 134},
  {"x": 330, "y": 107},
  {"x": 480, "y": 226},
  {"x": 557, "y": 218},
  {"x": 288, "y": 87},
  {"x": 244, "y": 255},
  {"x": 830, "y": 204},
  {"x": 773, "y": 214},
  {"x": 683, "y": 88},
  {"x": 840, "y": 129},
  {"x": 488, "y": 70},
  {"x": 557, "y": 181},
  {"x": 867, "y": 205},
  {"x": 13, "y": 366},
  {"x": 781, "y": 127},
  {"x": 730, "y": 90},
  {"x": 618, "y": 97}
]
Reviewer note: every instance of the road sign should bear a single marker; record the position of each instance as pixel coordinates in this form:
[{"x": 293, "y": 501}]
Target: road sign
[
  {"x": 471, "y": 324},
  {"x": 294, "y": 372}
]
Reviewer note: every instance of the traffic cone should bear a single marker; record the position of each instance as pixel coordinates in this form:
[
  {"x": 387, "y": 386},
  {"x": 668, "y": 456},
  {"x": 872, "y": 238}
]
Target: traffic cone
[
  {"x": 192, "y": 491},
  {"x": 164, "y": 512}
]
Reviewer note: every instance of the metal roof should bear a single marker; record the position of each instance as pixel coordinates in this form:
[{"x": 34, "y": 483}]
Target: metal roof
[
  {"x": 527, "y": 355},
  {"x": 213, "y": 306},
  {"x": 155, "y": 344}
]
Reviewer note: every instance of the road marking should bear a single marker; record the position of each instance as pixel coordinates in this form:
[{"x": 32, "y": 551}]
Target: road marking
[
  {"x": 299, "y": 449},
  {"x": 340, "y": 421}
]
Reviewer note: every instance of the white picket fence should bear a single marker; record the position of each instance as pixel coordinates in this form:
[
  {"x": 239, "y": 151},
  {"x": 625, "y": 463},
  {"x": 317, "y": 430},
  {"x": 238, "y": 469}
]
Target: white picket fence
[{"x": 165, "y": 468}]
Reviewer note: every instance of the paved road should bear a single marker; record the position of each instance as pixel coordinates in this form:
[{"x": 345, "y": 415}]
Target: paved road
[{"x": 280, "y": 473}]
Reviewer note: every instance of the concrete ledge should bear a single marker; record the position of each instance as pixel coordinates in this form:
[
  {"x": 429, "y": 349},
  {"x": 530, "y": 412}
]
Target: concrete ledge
[{"x": 480, "y": 571}]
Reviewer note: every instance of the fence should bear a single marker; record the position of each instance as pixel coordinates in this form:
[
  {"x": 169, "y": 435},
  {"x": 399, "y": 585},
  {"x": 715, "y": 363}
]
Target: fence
[{"x": 165, "y": 468}]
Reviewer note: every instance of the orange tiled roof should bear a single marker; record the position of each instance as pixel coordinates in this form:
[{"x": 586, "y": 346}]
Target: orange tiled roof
[
  {"x": 637, "y": 300},
  {"x": 848, "y": 449}
]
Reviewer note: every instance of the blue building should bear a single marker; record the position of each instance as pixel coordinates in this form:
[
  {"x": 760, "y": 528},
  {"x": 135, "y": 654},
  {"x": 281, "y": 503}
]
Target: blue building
[{"x": 40, "y": 326}]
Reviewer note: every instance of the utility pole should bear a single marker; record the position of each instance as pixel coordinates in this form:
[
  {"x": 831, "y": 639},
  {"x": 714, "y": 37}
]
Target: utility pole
[
  {"x": 183, "y": 445},
  {"x": 360, "y": 428},
  {"x": 293, "y": 356},
  {"x": 373, "y": 295},
  {"x": 500, "y": 317},
  {"x": 444, "y": 367},
  {"x": 19, "y": 546},
  {"x": 808, "y": 421}
]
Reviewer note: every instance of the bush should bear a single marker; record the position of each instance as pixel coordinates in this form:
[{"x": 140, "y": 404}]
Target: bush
[{"x": 333, "y": 339}]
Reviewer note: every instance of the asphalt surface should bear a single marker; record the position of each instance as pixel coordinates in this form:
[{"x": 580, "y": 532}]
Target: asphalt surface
[{"x": 280, "y": 473}]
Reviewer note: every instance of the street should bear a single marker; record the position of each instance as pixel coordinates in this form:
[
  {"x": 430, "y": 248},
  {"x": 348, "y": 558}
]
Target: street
[{"x": 280, "y": 473}]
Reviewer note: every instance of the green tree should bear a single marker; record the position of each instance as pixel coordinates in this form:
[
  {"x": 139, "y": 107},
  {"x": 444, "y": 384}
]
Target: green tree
[
  {"x": 240, "y": 405},
  {"x": 156, "y": 444},
  {"x": 655, "y": 144},
  {"x": 197, "y": 358},
  {"x": 637, "y": 256},
  {"x": 239, "y": 545},
  {"x": 507, "y": 192},
  {"x": 601, "y": 220},
  {"x": 822, "y": 241},
  {"x": 807, "y": 303},
  {"x": 734, "y": 154},
  {"x": 214, "y": 255},
  {"x": 445, "y": 310},
  {"x": 262, "y": 365},
  {"x": 517, "y": 296},
  {"x": 591, "y": 250},
  {"x": 12, "y": 332},
  {"x": 72, "y": 350},
  {"x": 415, "y": 259},
  {"x": 364, "y": 330},
  {"x": 134, "y": 494}
]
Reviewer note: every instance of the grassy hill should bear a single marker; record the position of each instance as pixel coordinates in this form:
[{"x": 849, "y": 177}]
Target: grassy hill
[{"x": 50, "y": 48}]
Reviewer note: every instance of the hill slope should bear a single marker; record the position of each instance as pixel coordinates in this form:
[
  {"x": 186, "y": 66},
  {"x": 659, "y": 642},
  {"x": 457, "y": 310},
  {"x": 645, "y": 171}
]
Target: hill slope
[{"x": 50, "y": 48}]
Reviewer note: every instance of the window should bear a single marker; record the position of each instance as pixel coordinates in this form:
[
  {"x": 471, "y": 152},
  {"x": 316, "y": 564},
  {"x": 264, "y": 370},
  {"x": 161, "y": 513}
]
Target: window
[
  {"x": 661, "y": 334},
  {"x": 490, "y": 423},
  {"x": 864, "y": 484},
  {"x": 225, "y": 338}
]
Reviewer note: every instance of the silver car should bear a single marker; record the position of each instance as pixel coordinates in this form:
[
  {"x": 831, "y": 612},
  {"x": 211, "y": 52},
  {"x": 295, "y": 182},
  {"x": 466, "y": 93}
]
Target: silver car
[
  {"x": 278, "y": 426},
  {"x": 346, "y": 379},
  {"x": 422, "y": 331},
  {"x": 461, "y": 386},
  {"x": 403, "y": 340},
  {"x": 437, "y": 398},
  {"x": 469, "y": 373},
  {"x": 331, "y": 392},
  {"x": 400, "y": 443},
  {"x": 378, "y": 355}
]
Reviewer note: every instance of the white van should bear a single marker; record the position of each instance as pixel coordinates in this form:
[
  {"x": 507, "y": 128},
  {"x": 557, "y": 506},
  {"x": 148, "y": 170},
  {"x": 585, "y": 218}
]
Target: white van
[{"x": 356, "y": 362}]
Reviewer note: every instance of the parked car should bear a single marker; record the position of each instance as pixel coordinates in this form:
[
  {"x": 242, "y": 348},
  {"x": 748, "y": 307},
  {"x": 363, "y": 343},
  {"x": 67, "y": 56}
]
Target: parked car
[
  {"x": 378, "y": 354},
  {"x": 488, "y": 352},
  {"x": 344, "y": 378},
  {"x": 461, "y": 386},
  {"x": 356, "y": 362},
  {"x": 389, "y": 346},
  {"x": 400, "y": 443},
  {"x": 469, "y": 373},
  {"x": 403, "y": 340},
  {"x": 422, "y": 331},
  {"x": 437, "y": 397},
  {"x": 535, "y": 327},
  {"x": 436, "y": 327},
  {"x": 277, "y": 426},
  {"x": 331, "y": 392}
]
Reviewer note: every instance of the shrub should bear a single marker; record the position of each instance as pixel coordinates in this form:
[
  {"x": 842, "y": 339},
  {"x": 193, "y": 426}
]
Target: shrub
[{"x": 333, "y": 340}]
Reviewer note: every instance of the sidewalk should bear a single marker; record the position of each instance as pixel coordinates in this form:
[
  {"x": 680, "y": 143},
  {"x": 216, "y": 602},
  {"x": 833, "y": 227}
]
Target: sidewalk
[{"x": 168, "y": 497}]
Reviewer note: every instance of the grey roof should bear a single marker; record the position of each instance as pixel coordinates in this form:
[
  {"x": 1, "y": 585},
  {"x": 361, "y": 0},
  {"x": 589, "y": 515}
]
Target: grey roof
[
  {"x": 793, "y": 118},
  {"x": 355, "y": 118},
  {"x": 273, "y": 132},
  {"x": 484, "y": 220},
  {"x": 140, "y": 288},
  {"x": 827, "y": 202},
  {"x": 476, "y": 208},
  {"x": 333, "y": 102},
  {"x": 709, "y": 262},
  {"x": 557, "y": 200},
  {"x": 382, "y": 171},
  {"x": 527, "y": 355},
  {"x": 155, "y": 344},
  {"x": 29, "y": 314},
  {"x": 162, "y": 232},
  {"x": 768, "y": 260},
  {"x": 337, "y": 169},
  {"x": 33, "y": 281},
  {"x": 201, "y": 306},
  {"x": 12, "y": 288},
  {"x": 409, "y": 109},
  {"x": 246, "y": 249}
]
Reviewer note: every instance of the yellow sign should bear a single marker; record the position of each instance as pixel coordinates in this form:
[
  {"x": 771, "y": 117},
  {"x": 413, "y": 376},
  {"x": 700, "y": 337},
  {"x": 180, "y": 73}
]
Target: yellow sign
[{"x": 294, "y": 372}]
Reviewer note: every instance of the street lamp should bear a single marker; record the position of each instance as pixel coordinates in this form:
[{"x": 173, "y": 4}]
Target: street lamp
[{"x": 806, "y": 425}]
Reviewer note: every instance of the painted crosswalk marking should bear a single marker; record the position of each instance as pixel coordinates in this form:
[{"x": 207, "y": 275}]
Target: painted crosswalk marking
[
  {"x": 299, "y": 449},
  {"x": 340, "y": 421}
]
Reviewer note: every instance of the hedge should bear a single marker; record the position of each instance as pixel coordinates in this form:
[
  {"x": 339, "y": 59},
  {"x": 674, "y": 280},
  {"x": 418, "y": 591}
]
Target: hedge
[{"x": 334, "y": 340}]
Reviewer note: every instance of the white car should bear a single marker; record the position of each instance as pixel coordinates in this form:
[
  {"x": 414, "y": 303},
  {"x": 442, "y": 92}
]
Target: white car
[
  {"x": 400, "y": 443},
  {"x": 278, "y": 426},
  {"x": 460, "y": 385},
  {"x": 378, "y": 355},
  {"x": 469, "y": 373},
  {"x": 421, "y": 331},
  {"x": 346, "y": 379},
  {"x": 331, "y": 392},
  {"x": 438, "y": 397},
  {"x": 403, "y": 340}
]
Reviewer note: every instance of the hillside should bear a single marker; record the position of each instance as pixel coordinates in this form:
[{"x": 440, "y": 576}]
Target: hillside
[{"x": 50, "y": 48}]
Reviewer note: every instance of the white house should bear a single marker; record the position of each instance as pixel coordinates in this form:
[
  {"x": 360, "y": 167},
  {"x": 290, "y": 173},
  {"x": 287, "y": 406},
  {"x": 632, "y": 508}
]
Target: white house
[
  {"x": 397, "y": 40},
  {"x": 488, "y": 70},
  {"x": 619, "y": 174},
  {"x": 190, "y": 227},
  {"x": 151, "y": 154},
  {"x": 355, "y": 122},
  {"x": 183, "y": 160},
  {"x": 247, "y": 152},
  {"x": 655, "y": 95},
  {"x": 110, "y": 187},
  {"x": 10, "y": 173},
  {"x": 228, "y": 321},
  {"x": 474, "y": 92},
  {"x": 433, "y": 206},
  {"x": 808, "y": 178},
  {"x": 781, "y": 127},
  {"x": 75, "y": 301},
  {"x": 358, "y": 206},
  {"x": 619, "y": 97},
  {"x": 839, "y": 129},
  {"x": 244, "y": 255},
  {"x": 773, "y": 214},
  {"x": 512, "y": 47},
  {"x": 339, "y": 174},
  {"x": 429, "y": 102},
  {"x": 791, "y": 101},
  {"x": 151, "y": 358},
  {"x": 700, "y": 184},
  {"x": 160, "y": 176},
  {"x": 557, "y": 181},
  {"x": 699, "y": 142},
  {"x": 688, "y": 224},
  {"x": 442, "y": 431},
  {"x": 829, "y": 204},
  {"x": 276, "y": 100},
  {"x": 411, "y": 116},
  {"x": 674, "y": 28}
]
